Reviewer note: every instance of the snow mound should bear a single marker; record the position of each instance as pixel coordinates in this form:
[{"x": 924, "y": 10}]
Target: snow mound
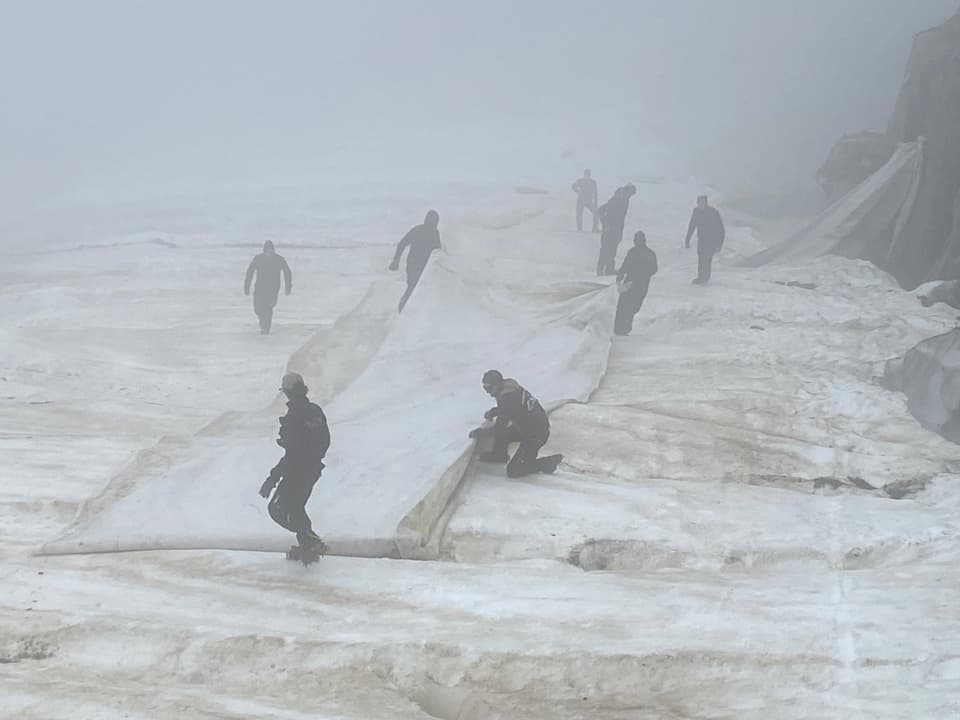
[
  {"x": 498, "y": 295},
  {"x": 929, "y": 375}
]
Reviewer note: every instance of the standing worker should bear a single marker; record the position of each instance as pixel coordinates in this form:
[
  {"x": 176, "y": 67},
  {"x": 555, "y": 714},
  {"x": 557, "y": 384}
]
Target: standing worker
[
  {"x": 422, "y": 241},
  {"x": 707, "y": 222},
  {"x": 586, "y": 189},
  {"x": 305, "y": 439},
  {"x": 613, "y": 215},
  {"x": 633, "y": 281},
  {"x": 267, "y": 266}
]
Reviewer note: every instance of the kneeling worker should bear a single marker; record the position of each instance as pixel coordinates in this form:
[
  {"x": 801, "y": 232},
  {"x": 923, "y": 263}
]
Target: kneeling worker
[{"x": 518, "y": 417}]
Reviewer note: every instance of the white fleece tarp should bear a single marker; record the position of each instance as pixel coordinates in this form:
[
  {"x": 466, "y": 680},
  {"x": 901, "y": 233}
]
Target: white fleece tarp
[
  {"x": 509, "y": 292},
  {"x": 867, "y": 222}
]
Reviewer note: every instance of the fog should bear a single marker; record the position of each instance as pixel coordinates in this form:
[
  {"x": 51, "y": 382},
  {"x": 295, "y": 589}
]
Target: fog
[
  {"x": 712, "y": 476},
  {"x": 115, "y": 95}
]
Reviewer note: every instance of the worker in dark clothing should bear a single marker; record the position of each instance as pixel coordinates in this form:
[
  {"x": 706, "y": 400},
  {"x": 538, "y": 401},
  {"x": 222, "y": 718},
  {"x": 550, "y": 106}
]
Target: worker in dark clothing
[
  {"x": 518, "y": 417},
  {"x": 267, "y": 266},
  {"x": 422, "y": 240},
  {"x": 707, "y": 222},
  {"x": 586, "y": 189},
  {"x": 613, "y": 215},
  {"x": 305, "y": 439},
  {"x": 633, "y": 281}
]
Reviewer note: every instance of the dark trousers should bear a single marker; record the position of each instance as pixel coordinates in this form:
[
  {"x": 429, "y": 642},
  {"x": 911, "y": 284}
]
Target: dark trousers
[
  {"x": 704, "y": 263},
  {"x": 607, "y": 262},
  {"x": 263, "y": 306},
  {"x": 525, "y": 460},
  {"x": 581, "y": 206},
  {"x": 288, "y": 506},
  {"x": 629, "y": 305},
  {"x": 414, "y": 271}
]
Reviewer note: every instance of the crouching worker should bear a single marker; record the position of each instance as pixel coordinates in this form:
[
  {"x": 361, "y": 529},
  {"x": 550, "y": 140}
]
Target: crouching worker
[
  {"x": 305, "y": 439},
  {"x": 518, "y": 417}
]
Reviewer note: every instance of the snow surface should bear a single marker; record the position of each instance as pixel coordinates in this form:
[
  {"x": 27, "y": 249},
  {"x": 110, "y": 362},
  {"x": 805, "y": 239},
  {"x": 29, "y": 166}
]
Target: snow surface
[{"x": 746, "y": 525}]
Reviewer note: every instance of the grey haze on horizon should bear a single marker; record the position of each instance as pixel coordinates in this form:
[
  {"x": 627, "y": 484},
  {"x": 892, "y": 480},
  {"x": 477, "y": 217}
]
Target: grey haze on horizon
[{"x": 118, "y": 93}]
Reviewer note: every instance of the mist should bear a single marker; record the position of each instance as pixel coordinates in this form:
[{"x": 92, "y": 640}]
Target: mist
[
  {"x": 110, "y": 96},
  {"x": 332, "y": 386}
]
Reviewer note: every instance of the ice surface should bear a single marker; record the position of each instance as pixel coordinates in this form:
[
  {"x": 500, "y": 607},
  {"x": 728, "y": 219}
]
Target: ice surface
[{"x": 703, "y": 553}]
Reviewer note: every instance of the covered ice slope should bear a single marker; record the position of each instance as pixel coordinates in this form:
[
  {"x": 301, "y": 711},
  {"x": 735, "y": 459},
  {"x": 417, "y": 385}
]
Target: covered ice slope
[
  {"x": 867, "y": 222},
  {"x": 499, "y": 294}
]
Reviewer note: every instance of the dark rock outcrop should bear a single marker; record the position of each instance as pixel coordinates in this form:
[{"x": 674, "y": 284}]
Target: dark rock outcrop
[{"x": 929, "y": 106}]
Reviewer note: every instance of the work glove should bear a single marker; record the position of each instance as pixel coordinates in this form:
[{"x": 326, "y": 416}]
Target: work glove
[
  {"x": 925, "y": 301},
  {"x": 483, "y": 430},
  {"x": 491, "y": 413},
  {"x": 478, "y": 433},
  {"x": 394, "y": 265},
  {"x": 268, "y": 485}
]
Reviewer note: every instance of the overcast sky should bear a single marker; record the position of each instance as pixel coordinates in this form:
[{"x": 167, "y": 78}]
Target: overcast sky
[{"x": 100, "y": 92}]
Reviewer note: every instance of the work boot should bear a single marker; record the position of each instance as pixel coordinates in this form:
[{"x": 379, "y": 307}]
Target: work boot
[
  {"x": 293, "y": 553},
  {"x": 550, "y": 463},
  {"x": 315, "y": 540},
  {"x": 313, "y": 550}
]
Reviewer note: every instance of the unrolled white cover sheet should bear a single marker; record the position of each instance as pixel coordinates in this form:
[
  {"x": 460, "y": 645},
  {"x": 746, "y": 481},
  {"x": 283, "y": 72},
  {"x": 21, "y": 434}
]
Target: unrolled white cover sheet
[
  {"x": 511, "y": 292},
  {"x": 867, "y": 222}
]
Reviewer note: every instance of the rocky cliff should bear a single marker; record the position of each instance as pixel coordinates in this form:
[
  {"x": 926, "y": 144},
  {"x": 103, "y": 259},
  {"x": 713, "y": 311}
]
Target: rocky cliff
[{"x": 928, "y": 106}]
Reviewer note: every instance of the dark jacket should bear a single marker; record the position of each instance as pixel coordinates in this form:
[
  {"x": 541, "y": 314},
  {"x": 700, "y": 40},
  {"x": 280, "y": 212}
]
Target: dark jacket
[
  {"x": 268, "y": 267},
  {"x": 638, "y": 266},
  {"x": 304, "y": 436},
  {"x": 516, "y": 405},
  {"x": 422, "y": 240},
  {"x": 709, "y": 226},
  {"x": 613, "y": 213},
  {"x": 586, "y": 189}
]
